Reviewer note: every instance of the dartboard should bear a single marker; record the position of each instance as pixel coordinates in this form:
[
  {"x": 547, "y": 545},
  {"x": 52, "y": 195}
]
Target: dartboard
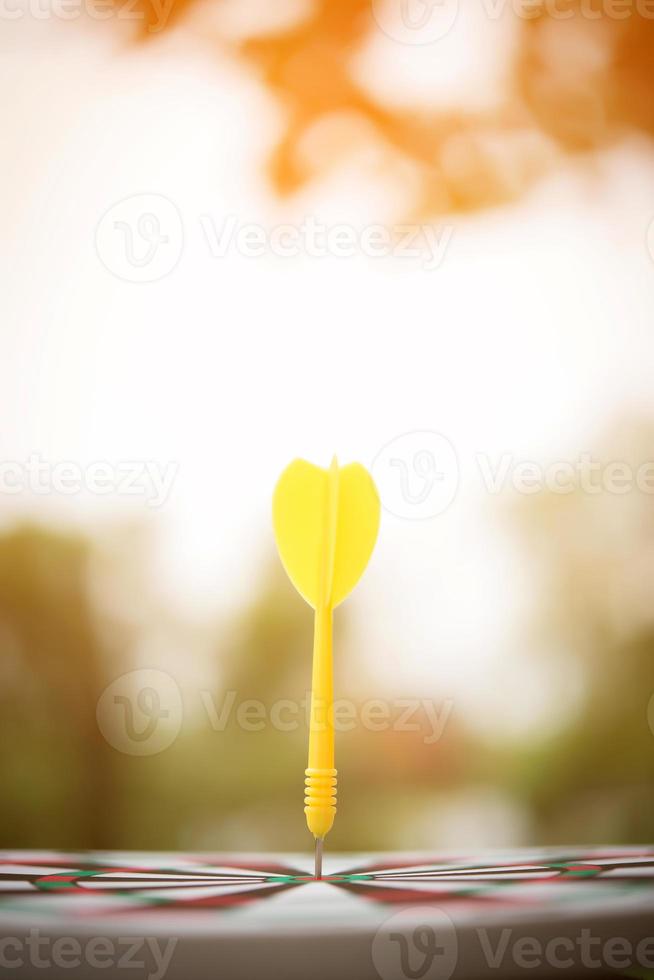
[{"x": 263, "y": 890}]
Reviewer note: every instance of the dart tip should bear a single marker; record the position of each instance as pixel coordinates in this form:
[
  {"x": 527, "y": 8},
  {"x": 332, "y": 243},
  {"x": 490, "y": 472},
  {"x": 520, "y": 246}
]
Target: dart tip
[{"x": 318, "y": 868}]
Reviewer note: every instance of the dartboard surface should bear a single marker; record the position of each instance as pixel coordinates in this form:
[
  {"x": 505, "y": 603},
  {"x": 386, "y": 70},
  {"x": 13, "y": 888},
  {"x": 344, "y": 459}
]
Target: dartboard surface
[{"x": 233, "y": 892}]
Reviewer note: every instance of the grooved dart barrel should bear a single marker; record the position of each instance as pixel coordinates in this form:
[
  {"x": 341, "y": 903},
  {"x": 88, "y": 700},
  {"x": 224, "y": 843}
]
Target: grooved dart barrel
[{"x": 320, "y": 800}]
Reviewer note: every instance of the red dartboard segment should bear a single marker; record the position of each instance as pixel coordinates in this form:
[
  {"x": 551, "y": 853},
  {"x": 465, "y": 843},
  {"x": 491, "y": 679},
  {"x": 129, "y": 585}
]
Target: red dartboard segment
[{"x": 411, "y": 896}]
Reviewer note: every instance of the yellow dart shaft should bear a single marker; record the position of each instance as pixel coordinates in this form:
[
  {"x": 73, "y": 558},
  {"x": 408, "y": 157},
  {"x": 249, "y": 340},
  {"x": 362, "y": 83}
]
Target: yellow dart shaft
[
  {"x": 320, "y": 775},
  {"x": 321, "y": 730}
]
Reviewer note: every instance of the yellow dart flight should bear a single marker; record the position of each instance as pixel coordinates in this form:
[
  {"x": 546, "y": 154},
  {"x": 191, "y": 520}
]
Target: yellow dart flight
[{"x": 326, "y": 524}]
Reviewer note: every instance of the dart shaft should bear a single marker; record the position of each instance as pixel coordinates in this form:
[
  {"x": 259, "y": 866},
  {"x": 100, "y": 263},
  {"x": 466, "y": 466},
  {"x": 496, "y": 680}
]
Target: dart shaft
[
  {"x": 321, "y": 719},
  {"x": 320, "y": 775}
]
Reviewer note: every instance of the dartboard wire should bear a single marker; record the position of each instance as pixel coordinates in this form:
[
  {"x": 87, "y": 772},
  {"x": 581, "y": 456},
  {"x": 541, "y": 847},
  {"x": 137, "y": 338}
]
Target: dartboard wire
[
  {"x": 485, "y": 892},
  {"x": 128, "y": 902},
  {"x": 134, "y": 869},
  {"x": 217, "y": 903},
  {"x": 479, "y": 874},
  {"x": 136, "y": 876},
  {"x": 440, "y": 868},
  {"x": 127, "y": 872},
  {"x": 144, "y": 884},
  {"x": 179, "y": 879},
  {"x": 555, "y": 861},
  {"x": 393, "y": 896},
  {"x": 459, "y": 874},
  {"x": 92, "y": 884},
  {"x": 101, "y": 867},
  {"x": 573, "y": 868}
]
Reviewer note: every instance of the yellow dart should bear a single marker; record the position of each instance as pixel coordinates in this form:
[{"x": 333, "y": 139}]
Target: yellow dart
[{"x": 326, "y": 524}]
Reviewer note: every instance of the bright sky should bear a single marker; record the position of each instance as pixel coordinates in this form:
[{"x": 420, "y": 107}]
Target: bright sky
[{"x": 533, "y": 332}]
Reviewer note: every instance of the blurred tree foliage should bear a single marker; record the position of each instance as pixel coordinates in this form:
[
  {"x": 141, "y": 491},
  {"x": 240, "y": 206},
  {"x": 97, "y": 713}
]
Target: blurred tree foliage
[
  {"x": 70, "y": 624},
  {"x": 580, "y": 77},
  {"x": 57, "y": 769},
  {"x": 594, "y": 551}
]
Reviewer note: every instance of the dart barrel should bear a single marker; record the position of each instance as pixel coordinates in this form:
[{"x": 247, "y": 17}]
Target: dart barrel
[{"x": 320, "y": 800}]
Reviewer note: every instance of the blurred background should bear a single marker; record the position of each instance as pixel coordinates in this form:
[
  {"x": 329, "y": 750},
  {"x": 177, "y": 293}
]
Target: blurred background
[{"x": 416, "y": 234}]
